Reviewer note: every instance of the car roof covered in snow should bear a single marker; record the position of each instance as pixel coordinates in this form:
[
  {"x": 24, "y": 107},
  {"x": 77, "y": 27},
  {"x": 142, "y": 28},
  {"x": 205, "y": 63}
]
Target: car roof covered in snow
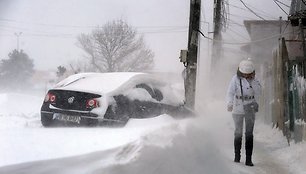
[{"x": 102, "y": 82}]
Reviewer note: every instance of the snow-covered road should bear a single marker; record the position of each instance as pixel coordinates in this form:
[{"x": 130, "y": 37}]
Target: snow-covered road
[
  {"x": 156, "y": 145},
  {"x": 31, "y": 143}
]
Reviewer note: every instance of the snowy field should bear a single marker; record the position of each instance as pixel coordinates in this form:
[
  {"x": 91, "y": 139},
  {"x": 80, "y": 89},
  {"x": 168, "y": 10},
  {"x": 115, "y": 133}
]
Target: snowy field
[{"x": 156, "y": 145}]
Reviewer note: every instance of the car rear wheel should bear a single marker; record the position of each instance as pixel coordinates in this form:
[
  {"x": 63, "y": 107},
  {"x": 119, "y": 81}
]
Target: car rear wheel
[{"x": 46, "y": 119}]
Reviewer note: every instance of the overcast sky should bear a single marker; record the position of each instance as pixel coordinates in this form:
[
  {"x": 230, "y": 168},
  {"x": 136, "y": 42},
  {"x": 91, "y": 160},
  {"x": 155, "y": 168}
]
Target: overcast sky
[{"x": 50, "y": 27}]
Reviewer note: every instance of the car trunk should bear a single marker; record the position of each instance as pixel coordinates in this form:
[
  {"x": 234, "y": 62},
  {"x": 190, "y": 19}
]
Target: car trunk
[{"x": 72, "y": 100}]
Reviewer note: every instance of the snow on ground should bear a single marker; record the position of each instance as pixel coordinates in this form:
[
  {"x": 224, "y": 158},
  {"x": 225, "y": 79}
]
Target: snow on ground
[
  {"x": 23, "y": 139},
  {"x": 271, "y": 154},
  {"x": 155, "y": 145},
  {"x": 14, "y": 104},
  {"x": 292, "y": 157}
]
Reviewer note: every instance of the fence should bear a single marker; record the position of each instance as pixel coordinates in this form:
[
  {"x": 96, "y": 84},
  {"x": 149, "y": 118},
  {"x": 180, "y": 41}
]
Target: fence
[{"x": 288, "y": 101}]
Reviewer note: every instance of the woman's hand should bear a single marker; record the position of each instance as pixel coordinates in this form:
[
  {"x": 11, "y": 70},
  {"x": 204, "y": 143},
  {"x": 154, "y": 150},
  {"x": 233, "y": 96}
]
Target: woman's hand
[{"x": 230, "y": 108}]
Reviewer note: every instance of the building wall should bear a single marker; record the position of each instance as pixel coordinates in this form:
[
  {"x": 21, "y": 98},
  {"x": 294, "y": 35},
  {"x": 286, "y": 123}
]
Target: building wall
[{"x": 264, "y": 38}]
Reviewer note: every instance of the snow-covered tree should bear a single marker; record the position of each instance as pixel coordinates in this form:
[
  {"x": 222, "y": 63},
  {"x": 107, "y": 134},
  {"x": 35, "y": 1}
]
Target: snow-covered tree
[{"x": 16, "y": 71}]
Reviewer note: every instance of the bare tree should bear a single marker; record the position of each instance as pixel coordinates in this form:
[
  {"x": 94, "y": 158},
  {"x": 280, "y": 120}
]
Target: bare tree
[
  {"x": 115, "y": 47},
  {"x": 61, "y": 70}
]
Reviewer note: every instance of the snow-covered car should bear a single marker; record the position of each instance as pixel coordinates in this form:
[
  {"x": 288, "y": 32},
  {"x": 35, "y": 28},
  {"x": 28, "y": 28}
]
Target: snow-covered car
[{"x": 92, "y": 98}]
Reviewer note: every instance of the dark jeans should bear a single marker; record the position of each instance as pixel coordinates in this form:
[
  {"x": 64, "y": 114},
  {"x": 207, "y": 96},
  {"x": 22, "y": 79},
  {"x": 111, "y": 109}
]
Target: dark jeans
[
  {"x": 249, "y": 127},
  {"x": 249, "y": 124}
]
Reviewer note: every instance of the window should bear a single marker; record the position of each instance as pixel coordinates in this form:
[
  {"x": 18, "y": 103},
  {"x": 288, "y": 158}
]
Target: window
[{"x": 155, "y": 93}]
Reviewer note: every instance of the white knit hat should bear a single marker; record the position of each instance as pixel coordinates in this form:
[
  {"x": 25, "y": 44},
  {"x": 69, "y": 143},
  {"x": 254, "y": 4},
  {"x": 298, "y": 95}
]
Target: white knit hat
[{"x": 246, "y": 66}]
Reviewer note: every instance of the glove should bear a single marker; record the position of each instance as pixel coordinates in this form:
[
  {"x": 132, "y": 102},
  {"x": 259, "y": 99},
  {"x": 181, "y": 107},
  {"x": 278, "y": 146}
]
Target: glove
[{"x": 230, "y": 108}]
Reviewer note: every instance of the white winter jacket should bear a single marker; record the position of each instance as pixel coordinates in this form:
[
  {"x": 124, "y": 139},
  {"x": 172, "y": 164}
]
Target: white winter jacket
[{"x": 251, "y": 92}]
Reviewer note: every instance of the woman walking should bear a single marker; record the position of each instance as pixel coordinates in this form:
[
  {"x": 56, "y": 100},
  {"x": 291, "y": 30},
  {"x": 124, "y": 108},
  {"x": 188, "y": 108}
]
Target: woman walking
[{"x": 242, "y": 98}]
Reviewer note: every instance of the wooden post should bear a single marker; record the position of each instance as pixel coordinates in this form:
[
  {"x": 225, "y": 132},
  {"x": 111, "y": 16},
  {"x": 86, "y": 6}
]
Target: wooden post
[
  {"x": 191, "y": 66},
  {"x": 216, "y": 54}
]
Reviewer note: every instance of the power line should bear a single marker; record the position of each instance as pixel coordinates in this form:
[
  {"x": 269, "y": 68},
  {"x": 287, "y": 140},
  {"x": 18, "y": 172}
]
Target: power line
[
  {"x": 262, "y": 13},
  {"x": 82, "y": 26},
  {"x": 280, "y": 7},
  {"x": 231, "y": 23},
  {"x": 29, "y": 32},
  {"x": 46, "y": 25},
  {"x": 79, "y": 26},
  {"x": 161, "y": 32},
  {"x": 235, "y": 15},
  {"x": 283, "y": 3},
  {"x": 232, "y": 50},
  {"x": 252, "y": 10},
  {"x": 143, "y": 30},
  {"x": 287, "y": 23},
  {"x": 238, "y": 7},
  {"x": 231, "y": 37},
  {"x": 71, "y": 36},
  {"x": 244, "y": 43},
  {"x": 257, "y": 10},
  {"x": 239, "y": 34}
]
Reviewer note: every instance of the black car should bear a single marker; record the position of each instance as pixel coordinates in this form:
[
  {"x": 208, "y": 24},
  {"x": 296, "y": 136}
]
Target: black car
[{"x": 92, "y": 98}]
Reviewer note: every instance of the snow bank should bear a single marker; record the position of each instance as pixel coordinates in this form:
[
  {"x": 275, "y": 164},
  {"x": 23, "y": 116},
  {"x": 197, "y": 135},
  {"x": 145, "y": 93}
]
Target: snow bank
[
  {"x": 24, "y": 142},
  {"x": 209, "y": 139},
  {"x": 23, "y": 139},
  {"x": 292, "y": 156},
  {"x": 19, "y": 104}
]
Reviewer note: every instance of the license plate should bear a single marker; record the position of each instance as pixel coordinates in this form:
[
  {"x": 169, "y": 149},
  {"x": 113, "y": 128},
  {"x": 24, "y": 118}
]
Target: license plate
[{"x": 63, "y": 117}]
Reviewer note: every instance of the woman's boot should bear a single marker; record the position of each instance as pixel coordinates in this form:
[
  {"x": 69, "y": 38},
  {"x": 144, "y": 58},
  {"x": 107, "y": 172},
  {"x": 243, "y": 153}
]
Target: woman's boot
[
  {"x": 237, "y": 145},
  {"x": 249, "y": 150}
]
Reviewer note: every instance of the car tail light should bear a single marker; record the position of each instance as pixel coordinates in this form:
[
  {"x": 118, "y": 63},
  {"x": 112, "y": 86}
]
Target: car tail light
[
  {"x": 50, "y": 98},
  {"x": 92, "y": 103}
]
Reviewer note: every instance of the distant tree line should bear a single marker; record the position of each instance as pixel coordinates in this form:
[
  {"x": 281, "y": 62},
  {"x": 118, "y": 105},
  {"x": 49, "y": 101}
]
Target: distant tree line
[
  {"x": 114, "y": 47},
  {"x": 16, "y": 71}
]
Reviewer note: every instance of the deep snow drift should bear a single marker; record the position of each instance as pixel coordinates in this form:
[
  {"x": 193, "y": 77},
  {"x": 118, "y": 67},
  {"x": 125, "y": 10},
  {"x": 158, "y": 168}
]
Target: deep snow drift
[{"x": 156, "y": 145}]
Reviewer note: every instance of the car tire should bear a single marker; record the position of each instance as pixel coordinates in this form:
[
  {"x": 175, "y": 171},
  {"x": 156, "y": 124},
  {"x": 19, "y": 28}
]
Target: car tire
[{"x": 46, "y": 119}]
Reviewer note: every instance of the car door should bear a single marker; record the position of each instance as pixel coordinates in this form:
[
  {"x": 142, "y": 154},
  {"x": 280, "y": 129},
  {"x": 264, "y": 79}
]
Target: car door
[{"x": 147, "y": 108}]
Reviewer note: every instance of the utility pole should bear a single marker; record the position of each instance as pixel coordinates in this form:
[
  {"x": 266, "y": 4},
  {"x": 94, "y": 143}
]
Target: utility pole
[
  {"x": 18, "y": 35},
  {"x": 216, "y": 55},
  {"x": 192, "y": 53}
]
